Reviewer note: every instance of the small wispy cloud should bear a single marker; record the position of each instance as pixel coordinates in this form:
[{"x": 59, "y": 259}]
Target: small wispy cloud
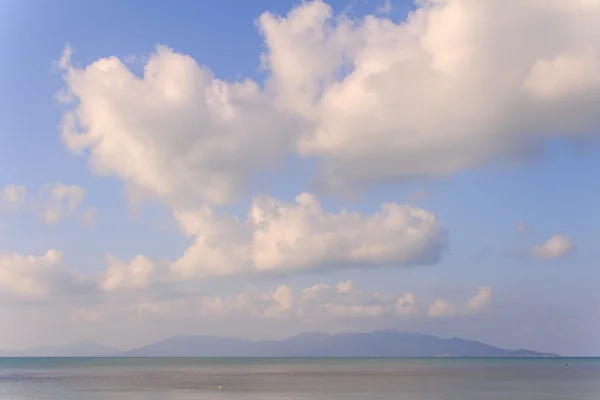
[
  {"x": 557, "y": 246},
  {"x": 416, "y": 195},
  {"x": 89, "y": 217},
  {"x": 13, "y": 198},
  {"x": 522, "y": 227},
  {"x": 384, "y": 8}
]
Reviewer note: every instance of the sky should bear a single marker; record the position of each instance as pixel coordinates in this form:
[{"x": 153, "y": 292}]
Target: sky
[{"x": 266, "y": 168}]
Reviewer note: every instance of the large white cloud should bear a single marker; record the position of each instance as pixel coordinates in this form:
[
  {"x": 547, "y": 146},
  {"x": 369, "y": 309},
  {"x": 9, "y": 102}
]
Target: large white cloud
[
  {"x": 281, "y": 237},
  {"x": 457, "y": 84},
  {"x": 302, "y": 236},
  {"x": 178, "y": 132}
]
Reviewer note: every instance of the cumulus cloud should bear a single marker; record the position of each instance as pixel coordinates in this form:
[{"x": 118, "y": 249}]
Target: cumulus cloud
[
  {"x": 284, "y": 301},
  {"x": 443, "y": 308},
  {"x": 408, "y": 100},
  {"x": 280, "y": 238},
  {"x": 60, "y": 200},
  {"x": 416, "y": 101},
  {"x": 176, "y": 133},
  {"x": 302, "y": 236},
  {"x": 316, "y": 303},
  {"x": 35, "y": 277},
  {"x": 406, "y": 305},
  {"x": 13, "y": 198},
  {"x": 140, "y": 272},
  {"x": 411, "y": 99},
  {"x": 320, "y": 303},
  {"x": 481, "y": 300},
  {"x": 557, "y": 246}
]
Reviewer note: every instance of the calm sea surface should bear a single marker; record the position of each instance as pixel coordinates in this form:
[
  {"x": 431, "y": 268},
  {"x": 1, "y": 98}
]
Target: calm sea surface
[{"x": 403, "y": 379}]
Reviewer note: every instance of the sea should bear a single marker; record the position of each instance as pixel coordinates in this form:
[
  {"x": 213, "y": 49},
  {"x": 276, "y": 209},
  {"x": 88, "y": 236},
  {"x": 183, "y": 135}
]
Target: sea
[{"x": 270, "y": 379}]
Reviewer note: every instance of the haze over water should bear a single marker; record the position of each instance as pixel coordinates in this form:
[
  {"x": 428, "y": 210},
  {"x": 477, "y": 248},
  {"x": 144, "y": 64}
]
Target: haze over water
[{"x": 405, "y": 379}]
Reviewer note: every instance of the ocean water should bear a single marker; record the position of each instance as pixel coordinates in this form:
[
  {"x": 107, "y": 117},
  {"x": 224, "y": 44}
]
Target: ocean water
[{"x": 399, "y": 379}]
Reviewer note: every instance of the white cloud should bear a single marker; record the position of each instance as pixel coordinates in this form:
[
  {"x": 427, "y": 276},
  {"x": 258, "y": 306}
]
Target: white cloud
[
  {"x": 250, "y": 304},
  {"x": 345, "y": 300},
  {"x": 410, "y": 99},
  {"x": 321, "y": 306},
  {"x": 60, "y": 200},
  {"x": 283, "y": 237},
  {"x": 284, "y": 300},
  {"x": 177, "y": 133},
  {"x": 345, "y": 287},
  {"x": 557, "y": 246},
  {"x": 323, "y": 302},
  {"x": 317, "y": 303},
  {"x": 54, "y": 202},
  {"x": 301, "y": 236},
  {"x": 14, "y": 197},
  {"x": 35, "y": 277},
  {"x": 406, "y": 305},
  {"x": 481, "y": 300},
  {"x": 416, "y": 101},
  {"x": 565, "y": 74},
  {"x": 443, "y": 308},
  {"x": 140, "y": 272}
]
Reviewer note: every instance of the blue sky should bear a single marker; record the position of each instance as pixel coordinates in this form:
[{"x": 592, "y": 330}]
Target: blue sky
[{"x": 553, "y": 193}]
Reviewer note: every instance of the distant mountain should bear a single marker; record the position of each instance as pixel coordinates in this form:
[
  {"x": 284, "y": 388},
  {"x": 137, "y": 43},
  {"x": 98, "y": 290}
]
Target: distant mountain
[
  {"x": 388, "y": 343},
  {"x": 79, "y": 349}
]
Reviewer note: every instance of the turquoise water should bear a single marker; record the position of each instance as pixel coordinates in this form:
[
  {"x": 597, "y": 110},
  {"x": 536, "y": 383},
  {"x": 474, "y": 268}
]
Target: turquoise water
[{"x": 403, "y": 379}]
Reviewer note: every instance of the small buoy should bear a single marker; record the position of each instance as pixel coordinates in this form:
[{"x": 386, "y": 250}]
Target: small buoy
[{"x": 220, "y": 387}]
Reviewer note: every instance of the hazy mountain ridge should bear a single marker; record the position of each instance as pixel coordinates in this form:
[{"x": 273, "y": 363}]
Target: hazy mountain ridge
[
  {"x": 373, "y": 344},
  {"x": 386, "y": 343}
]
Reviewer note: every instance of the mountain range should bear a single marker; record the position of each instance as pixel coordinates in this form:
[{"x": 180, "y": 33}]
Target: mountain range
[{"x": 386, "y": 343}]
